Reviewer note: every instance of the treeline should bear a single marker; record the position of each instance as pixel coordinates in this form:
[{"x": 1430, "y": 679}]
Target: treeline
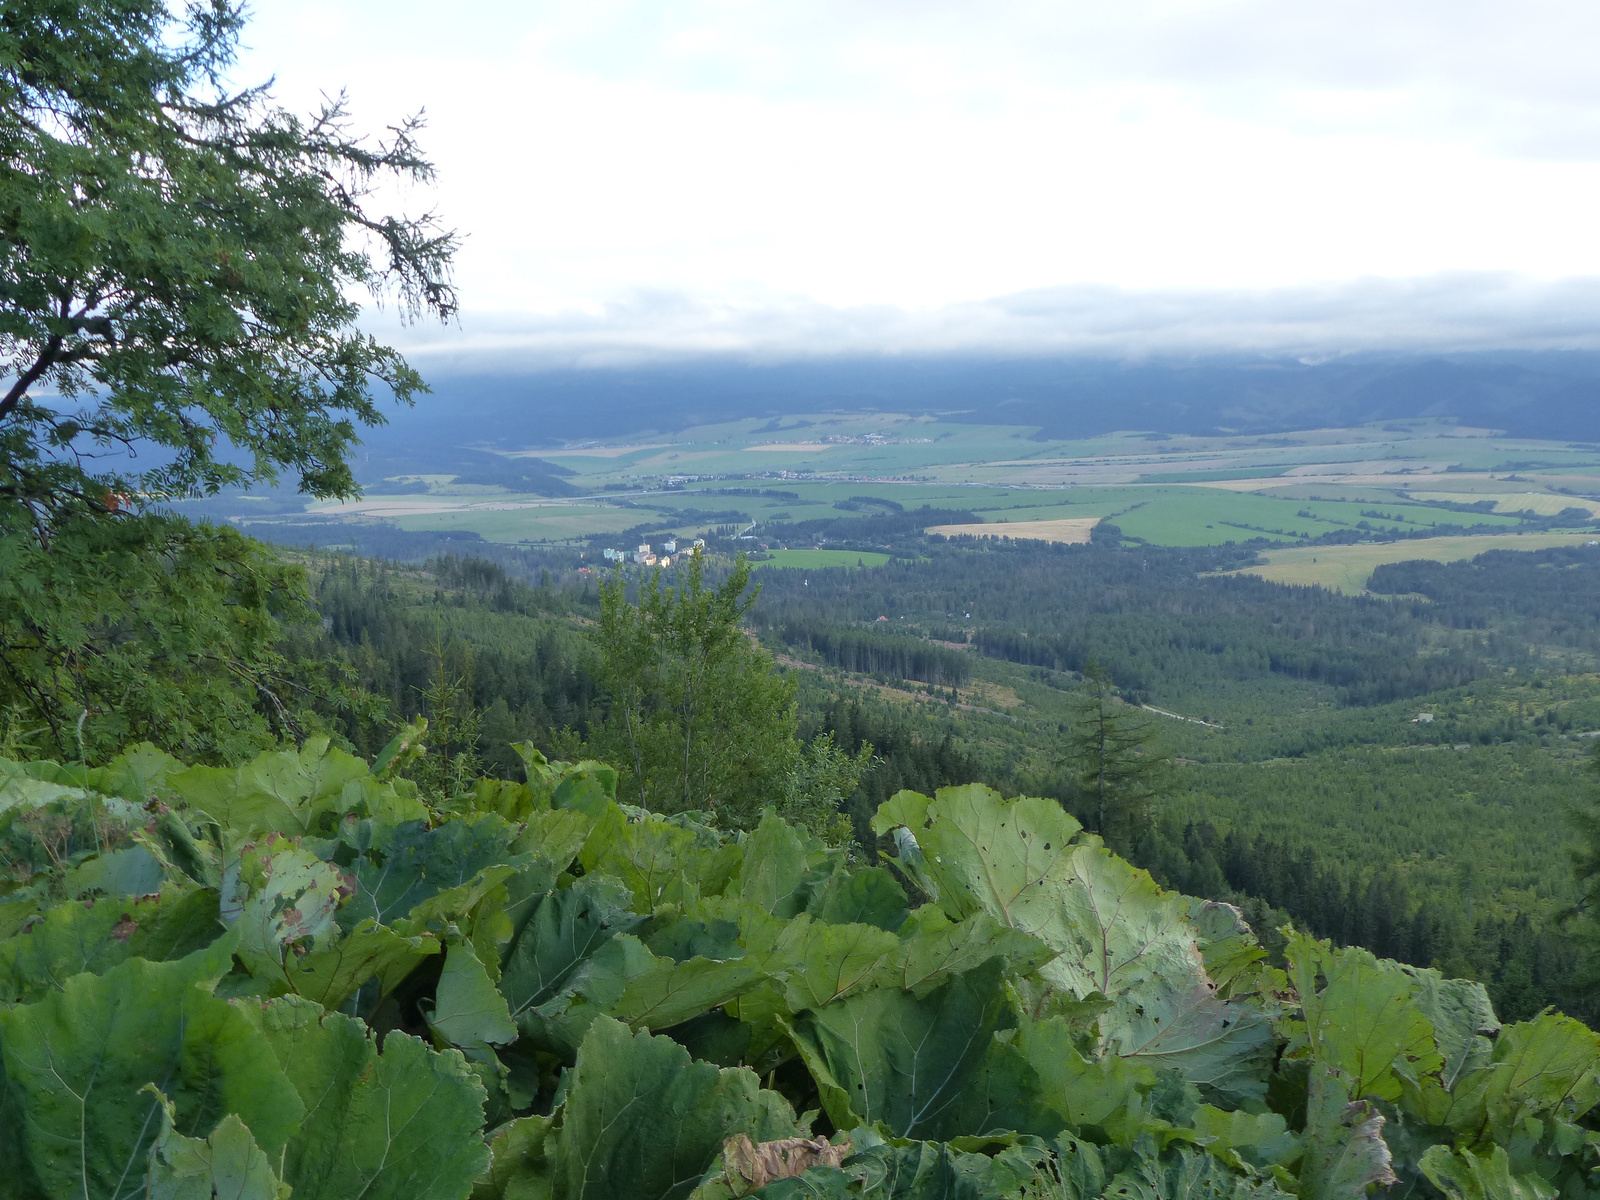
[
  {"x": 1526, "y": 963},
  {"x": 908, "y": 752},
  {"x": 894, "y": 655},
  {"x": 1154, "y": 617},
  {"x": 1548, "y": 594},
  {"x": 514, "y": 648}
]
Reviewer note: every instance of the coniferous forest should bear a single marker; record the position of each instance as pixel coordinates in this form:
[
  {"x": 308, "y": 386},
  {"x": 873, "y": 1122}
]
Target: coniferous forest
[{"x": 1000, "y": 870}]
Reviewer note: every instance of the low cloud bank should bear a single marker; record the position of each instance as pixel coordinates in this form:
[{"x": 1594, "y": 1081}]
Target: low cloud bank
[{"x": 1440, "y": 314}]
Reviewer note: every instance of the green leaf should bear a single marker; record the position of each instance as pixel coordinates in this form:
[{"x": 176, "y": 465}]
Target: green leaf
[
  {"x": 1104, "y": 1093},
  {"x": 1228, "y": 947},
  {"x": 990, "y": 854},
  {"x": 642, "y": 1121},
  {"x": 226, "y": 1165},
  {"x": 1540, "y": 1066},
  {"x": 558, "y": 834},
  {"x": 1462, "y": 1017},
  {"x": 468, "y": 1009},
  {"x": 650, "y": 856},
  {"x": 776, "y": 860},
  {"x": 403, "y": 1125},
  {"x": 935, "y": 948},
  {"x": 672, "y": 992},
  {"x": 887, "y": 1056},
  {"x": 1363, "y": 1021},
  {"x": 277, "y": 895},
  {"x": 551, "y": 955},
  {"x": 1225, "y": 1048},
  {"x": 519, "y": 1163},
  {"x": 132, "y": 871},
  {"x": 285, "y": 791},
  {"x": 1345, "y": 1153},
  {"x": 830, "y": 962},
  {"x": 94, "y": 937},
  {"x": 333, "y": 971},
  {"x": 868, "y": 896},
  {"x": 75, "y": 1061},
  {"x": 1086, "y": 1172},
  {"x": 906, "y": 808},
  {"x": 1467, "y": 1176},
  {"x": 423, "y": 873},
  {"x": 1258, "y": 1140}
]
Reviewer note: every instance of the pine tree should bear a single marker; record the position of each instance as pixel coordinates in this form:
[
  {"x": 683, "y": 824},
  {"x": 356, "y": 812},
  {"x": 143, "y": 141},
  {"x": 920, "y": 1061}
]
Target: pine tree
[{"x": 1117, "y": 770}]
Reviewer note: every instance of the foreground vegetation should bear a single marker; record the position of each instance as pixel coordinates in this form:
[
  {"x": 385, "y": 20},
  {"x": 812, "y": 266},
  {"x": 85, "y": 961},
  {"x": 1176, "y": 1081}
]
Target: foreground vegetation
[{"x": 298, "y": 974}]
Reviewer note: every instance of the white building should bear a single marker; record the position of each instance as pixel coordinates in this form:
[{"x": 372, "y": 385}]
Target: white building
[{"x": 670, "y": 545}]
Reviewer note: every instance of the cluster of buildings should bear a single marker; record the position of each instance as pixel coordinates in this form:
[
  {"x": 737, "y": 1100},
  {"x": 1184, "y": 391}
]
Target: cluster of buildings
[{"x": 646, "y": 556}]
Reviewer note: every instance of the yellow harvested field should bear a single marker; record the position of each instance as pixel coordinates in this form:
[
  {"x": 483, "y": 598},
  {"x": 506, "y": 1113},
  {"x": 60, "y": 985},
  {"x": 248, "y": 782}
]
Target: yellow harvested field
[
  {"x": 1348, "y": 568},
  {"x": 1543, "y": 503},
  {"x": 1073, "y": 529}
]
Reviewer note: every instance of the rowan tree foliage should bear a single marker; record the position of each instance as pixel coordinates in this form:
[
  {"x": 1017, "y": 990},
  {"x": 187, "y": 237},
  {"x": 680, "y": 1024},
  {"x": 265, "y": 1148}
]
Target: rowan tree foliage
[
  {"x": 181, "y": 266},
  {"x": 697, "y": 717},
  {"x": 1117, "y": 768}
]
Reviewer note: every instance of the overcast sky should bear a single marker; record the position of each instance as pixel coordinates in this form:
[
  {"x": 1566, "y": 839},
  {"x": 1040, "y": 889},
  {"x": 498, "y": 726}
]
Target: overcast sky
[{"x": 816, "y": 176}]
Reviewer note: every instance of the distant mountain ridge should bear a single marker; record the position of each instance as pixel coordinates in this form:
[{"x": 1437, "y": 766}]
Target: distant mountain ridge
[{"x": 1546, "y": 396}]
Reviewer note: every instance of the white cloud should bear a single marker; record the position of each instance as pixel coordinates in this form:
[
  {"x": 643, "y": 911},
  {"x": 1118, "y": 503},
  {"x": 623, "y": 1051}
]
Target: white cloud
[
  {"x": 1455, "y": 312},
  {"x": 843, "y": 170}
]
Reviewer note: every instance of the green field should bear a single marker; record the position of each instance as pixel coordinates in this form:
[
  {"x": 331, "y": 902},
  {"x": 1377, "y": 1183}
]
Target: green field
[
  {"x": 817, "y": 559},
  {"x": 1171, "y": 491}
]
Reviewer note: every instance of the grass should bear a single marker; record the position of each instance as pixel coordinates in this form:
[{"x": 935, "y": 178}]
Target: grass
[
  {"x": 1348, "y": 568},
  {"x": 818, "y": 559}
]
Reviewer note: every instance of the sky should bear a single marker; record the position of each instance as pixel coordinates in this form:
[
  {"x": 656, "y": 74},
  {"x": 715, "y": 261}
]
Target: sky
[{"x": 768, "y": 177}]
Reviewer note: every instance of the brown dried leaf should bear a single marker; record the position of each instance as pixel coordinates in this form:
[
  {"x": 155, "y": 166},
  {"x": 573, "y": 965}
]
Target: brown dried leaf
[{"x": 750, "y": 1166}]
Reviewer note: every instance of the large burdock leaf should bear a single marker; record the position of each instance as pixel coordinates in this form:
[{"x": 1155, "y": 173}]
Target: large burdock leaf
[
  {"x": 1467, "y": 1176},
  {"x": 551, "y": 955},
  {"x": 933, "y": 948},
  {"x": 777, "y": 858},
  {"x": 1122, "y": 937},
  {"x": 867, "y": 896},
  {"x": 425, "y": 873},
  {"x": 75, "y": 1122},
  {"x": 643, "y": 1121},
  {"x": 1549, "y": 1064},
  {"x": 1114, "y": 932},
  {"x": 669, "y": 992},
  {"x": 886, "y": 1055},
  {"x": 1102, "y": 1093},
  {"x": 1345, "y": 1153},
  {"x": 402, "y": 1125},
  {"x": 339, "y": 966},
  {"x": 650, "y": 855},
  {"x": 468, "y": 1009},
  {"x": 276, "y": 895},
  {"x": 96, "y": 936},
  {"x": 1361, "y": 1017},
  {"x": 986, "y": 853},
  {"x": 834, "y": 961},
  {"x": 227, "y": 1165},
  {"x": 286, "y": 791}
]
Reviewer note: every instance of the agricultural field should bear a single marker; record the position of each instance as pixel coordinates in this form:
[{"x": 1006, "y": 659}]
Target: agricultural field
[
  {"x": 817, "y": 560},
  {"x": 775, "y": 480},
  {"x": 1348, "y": 568}
]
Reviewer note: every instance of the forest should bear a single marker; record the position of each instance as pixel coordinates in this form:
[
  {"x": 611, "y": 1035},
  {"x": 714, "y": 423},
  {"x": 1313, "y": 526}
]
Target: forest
[{"x": 994, "y": 870}]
